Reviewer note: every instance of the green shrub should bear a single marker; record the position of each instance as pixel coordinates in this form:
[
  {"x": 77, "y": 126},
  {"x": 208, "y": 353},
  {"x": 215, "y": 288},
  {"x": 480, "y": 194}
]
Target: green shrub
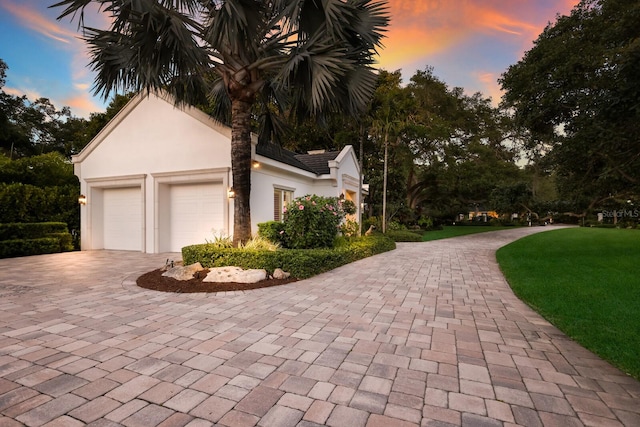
[
  {"x": 272, "y": 231},
  {"x": 13, "y": 231},
  {"x": 313, "y": 221},
  {"x": 404, "y": 236},
  {"x": 372, "y": 220},
  {"x": 23, "y": 203},
  {"x": 425, "y": 222},
  {"x": 502, "y": 222},
  {"x": 26, "y": 247},
  {"x": 19, "y": 239},
  {"x": 350, "y": 228},
  {"x": 301, "y": 263},
  {"x": 65, "y": 241},
  {"x": 395, "y": 226},
  {"x": 44, "y": 170}
]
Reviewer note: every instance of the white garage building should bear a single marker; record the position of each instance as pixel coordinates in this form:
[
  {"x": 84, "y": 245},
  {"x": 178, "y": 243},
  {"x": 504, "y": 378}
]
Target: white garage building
[{"x": 157, "y": 178}]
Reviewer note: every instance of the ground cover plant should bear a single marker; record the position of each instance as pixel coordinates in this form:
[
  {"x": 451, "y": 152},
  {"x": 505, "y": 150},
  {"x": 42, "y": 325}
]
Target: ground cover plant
[
  {"x": 585, "y": 281},
  {"x": 455, "y": 231}
]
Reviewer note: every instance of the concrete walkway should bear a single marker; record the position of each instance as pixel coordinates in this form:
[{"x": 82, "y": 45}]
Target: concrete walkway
[{"x": 427, "y": 335}]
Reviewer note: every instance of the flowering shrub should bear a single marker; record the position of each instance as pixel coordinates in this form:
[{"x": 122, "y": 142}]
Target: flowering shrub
[{"x": 313, "y": 221}]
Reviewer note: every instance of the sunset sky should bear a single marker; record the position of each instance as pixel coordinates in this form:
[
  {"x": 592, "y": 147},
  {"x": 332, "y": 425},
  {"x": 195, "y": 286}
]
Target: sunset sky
[{"x": 468, "y": 42}]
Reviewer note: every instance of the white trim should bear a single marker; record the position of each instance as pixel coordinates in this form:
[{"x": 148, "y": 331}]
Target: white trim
[
  {"x": 284, "y": 187},
  {"x": 93, "y": 191},
  {"x": 348, "y": 180},
  {"x": 116, "y": 181}
]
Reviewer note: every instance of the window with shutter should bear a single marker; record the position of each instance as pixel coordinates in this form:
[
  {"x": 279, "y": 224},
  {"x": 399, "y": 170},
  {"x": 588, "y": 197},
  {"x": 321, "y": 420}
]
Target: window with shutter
[{"x": 280, "y": 199}]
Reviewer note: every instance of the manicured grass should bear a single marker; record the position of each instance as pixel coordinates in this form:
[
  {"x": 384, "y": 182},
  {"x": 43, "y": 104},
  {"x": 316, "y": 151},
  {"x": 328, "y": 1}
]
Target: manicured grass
[
  {"x": 586, "y": 281},
  {"x": 453, "y": 231}
]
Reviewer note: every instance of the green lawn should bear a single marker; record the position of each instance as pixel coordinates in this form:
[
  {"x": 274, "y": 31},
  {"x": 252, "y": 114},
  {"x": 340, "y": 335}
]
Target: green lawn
[
  {"x": 586, "y": 281},
  {"x": 463, "y": 230}
]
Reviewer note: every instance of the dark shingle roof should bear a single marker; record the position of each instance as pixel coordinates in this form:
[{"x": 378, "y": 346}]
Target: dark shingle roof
[
  {"x": 315, "y": 163},
  {"x": 318, "y": 162}
]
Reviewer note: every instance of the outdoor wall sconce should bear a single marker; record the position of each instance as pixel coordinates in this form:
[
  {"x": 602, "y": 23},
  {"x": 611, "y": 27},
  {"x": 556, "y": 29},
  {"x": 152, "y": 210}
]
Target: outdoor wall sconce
[
  {"x": 231, "y": 194},
  {"x": 82, "y": 200},
  {"x": 255, "y": 164}
]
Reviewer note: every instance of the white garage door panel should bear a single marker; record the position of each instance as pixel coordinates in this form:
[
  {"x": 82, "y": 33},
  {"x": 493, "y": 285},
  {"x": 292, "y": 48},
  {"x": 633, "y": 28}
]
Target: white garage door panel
[
  {"x": 196, "y": 213},
  {"x": 122, "y": 218}
]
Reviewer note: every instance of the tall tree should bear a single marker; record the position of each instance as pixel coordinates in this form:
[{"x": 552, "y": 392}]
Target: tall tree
[
  {"x": 308, "y": 56},
  {"x": 388, "y": 123},
  {"x": 577, "y": 94},
  {"x": 460, "y": 145},
  {"x": 29, "y": 128}
]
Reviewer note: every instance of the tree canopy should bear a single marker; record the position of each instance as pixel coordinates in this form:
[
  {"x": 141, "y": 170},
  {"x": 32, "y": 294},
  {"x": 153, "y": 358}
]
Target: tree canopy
[
  {"x": 449, "y": 150},
  {"x": 576, "y": 94}
]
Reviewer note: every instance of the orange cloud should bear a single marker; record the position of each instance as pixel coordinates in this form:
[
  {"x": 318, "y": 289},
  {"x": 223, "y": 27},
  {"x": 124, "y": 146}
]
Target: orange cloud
[
  {"x": 82, "y": 105},
  {"x": 66, "y": 36},
  {"x": 39, "y": 23},
  {"x": 490, "y": 86},
  {"x": 409, "y": 43},
  {"x": 420, "y": 30},
  {"x": 502, "y": 23},
  {"x": 31, "y": 94}
]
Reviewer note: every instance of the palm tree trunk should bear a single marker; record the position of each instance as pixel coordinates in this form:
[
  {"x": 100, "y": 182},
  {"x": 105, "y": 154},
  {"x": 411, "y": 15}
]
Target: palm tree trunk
[
  {"x": 384, "y": 186},
  {"x": 241, "y": 170},
  {"x": 361, "y": 179}
]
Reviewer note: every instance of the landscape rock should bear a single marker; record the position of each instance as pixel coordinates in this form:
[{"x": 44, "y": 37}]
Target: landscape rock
[
  {"x": 235, "y": 275},
  {"x": 180, "y": 272},
  {"x": 278, "y": 273}
]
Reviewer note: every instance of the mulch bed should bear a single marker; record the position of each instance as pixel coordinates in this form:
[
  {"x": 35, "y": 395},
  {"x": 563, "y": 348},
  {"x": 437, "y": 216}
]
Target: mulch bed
[{"x": 154, "y": 280}]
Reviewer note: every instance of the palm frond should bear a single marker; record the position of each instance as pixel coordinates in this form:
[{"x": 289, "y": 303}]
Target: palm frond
[
  {"x": 320, "y": 51},
  {"x": 361, "y": 84},
  {"x": 149, "y": 47},
  {"x": 219, "y": 101},
  {"x": 370, "y": 21}
]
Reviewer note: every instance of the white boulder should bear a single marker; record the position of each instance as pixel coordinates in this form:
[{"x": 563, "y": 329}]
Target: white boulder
[
  {"x": 183, "y": 272},
  {"x": 235, "y": 274},
  {"x": 278, "y": 273}
]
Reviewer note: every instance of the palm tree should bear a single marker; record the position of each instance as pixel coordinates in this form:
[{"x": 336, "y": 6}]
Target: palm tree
[
  {"x": 303, "y": 56},
  {"x": 387, "y": 122}
]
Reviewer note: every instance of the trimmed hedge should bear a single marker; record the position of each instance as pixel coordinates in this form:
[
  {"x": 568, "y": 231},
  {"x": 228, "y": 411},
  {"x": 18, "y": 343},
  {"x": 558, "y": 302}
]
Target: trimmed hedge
[
  {"x": 18, "y": 239},
  {"x": 35, "y": 230},
  {"x": 404, "y": 236},
  {"x": 301, "y": 263},
  {"x": 26, "y": 247}
]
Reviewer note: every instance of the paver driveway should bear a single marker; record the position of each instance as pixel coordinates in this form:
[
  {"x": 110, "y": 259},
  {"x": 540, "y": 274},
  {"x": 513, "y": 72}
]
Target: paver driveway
[{"x": 429, "y": 334}]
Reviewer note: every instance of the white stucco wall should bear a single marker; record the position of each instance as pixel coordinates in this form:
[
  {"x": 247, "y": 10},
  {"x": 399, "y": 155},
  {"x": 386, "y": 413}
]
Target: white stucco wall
[
  {"x": 343, "y": 178},
  {"x": 157, "y": 137},
  {"x": 268, "y": 177},
  {"x": 151, "y": 145}
]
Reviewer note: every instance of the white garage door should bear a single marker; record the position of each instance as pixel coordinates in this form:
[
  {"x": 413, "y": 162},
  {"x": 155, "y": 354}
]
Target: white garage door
[
  {"x": 122, "y": 218},
  {"x": 196, "y": 212}
]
